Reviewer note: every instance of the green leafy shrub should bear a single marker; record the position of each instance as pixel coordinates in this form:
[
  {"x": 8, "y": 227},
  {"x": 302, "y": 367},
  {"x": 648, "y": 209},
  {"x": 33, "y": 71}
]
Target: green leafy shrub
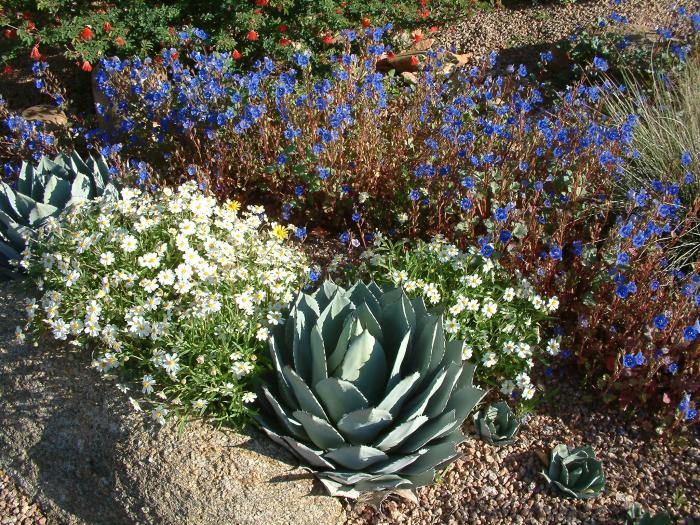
[
  {"x": 45, "y": 191},
  {"x": 88, "y": 31},
  {"x": 368, "y": 391},
  {"x": 498, "y": 313},
  {"x": 169, "y": 289},
  {"x": 496, "y": 424},
  {"x": 576, "y": 473}
]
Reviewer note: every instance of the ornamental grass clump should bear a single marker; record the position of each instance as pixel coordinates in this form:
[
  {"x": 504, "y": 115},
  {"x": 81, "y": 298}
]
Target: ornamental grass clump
[
  {"x": 367, "y": 392},
  {"x": 576, "y": 473},
  {"x": 169, "y": 290},
  {"x": 496, "y": 424}
]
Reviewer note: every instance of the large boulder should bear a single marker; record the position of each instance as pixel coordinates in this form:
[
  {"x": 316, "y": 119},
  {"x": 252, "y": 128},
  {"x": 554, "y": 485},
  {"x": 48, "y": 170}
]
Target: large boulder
[{"x": 73, "y": 442}]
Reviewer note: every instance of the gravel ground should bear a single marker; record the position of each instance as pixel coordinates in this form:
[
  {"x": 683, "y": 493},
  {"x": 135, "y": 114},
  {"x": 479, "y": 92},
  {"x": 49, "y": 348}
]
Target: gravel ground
[
  {"x": 15, "y": 507},
  {"x": 520, "y": 31},
  {"x": 501, "y": 486}
]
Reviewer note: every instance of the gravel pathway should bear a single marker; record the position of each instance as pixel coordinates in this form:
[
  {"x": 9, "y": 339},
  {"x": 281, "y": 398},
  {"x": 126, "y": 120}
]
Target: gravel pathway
[
  {"x": 520, "y": 31},
  {"x": 501, "y": 486},
  {"x": 15, "y": 507}
]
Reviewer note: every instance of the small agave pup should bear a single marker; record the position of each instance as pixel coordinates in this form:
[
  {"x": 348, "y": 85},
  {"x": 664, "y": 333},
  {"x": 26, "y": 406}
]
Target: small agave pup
[
  {"x": 496, "y": 424},
  {"x": 369, "y": 394},
  {"x": 637, "y": 516},
  {"x": 44, "y": 191},
  {"x": 576, "y": 473}
]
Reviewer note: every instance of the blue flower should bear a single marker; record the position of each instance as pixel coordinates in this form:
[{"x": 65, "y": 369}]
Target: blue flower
[
  {"x": 414, "y": 195},
  {"x": 486, "y": 250},
  {"x": 600, "y": 64},
  {"x": 356, "y": 217},
  {"x": 501, "y": 214},
  {"x": 690, "y": 333},
  {"x": 192, "y": 171},
  {"x": 302, "y": 59},
  {"x": 639, "y": 359},
  {"x": 313, "y": 276},
  {"x": 623, "y": 258},
  {"x": 300, "y": 232},
  {"x": 685, "y": 158},
  {"x": 555, "y": 253},
  {"x": 465, "y": 203},
  {"x": 299, "y": 190},
  {"x": 504, "y": 236},
  {"x": 629, "y": 361},
  {"x": 672, "y": 368},
  {"x": 660, "y": 322}
]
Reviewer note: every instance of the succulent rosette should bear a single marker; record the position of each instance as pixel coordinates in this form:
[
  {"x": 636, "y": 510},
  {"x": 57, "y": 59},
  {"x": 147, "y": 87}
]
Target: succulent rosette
[
  {"x": 575, "y": 472},
  {"x": 496, "y": 424},
  {"x": 368, "y": 392}
]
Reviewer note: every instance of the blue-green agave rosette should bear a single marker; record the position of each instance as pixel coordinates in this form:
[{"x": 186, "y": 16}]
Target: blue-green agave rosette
[
  {"x": 636, "y": 516},
  {"x": 44, "y": 191},
  {"x": 368, "y": 392},
  {"x": 496, "y": 424},
  {"x": 575, "y": 472}
]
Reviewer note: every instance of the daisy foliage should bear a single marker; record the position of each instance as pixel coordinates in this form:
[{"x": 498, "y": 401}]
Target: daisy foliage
[
  {"x": 170, "y": 290},
  {"x": 499, "y": 315}
]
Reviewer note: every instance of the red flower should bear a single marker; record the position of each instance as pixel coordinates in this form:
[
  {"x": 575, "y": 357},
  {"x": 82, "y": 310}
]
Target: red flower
[
  {"x": 424, "y": 14},
  {"x": 7, "y": 69},
  {"x": 120, "y": 41},
  {"x": 391, "y": 54},
  {"x": 86, "y": 34},
  {"x": 285, "y": 41},
  {"x": 433, "y": 29},
  {"x": 414, "y": 60},
  {"x": 107, "y": 27},
  {"x": 10, "y": 33},
  {"x": 252, "y": 36},
  {"x": 31, "y": 25},
  {"x": 366, "y": 23},
  {"x": 35, "y": 55},
  {"x": 236, "y": 54},
  {"x": 86, "y": 66},
  {"x": 417, "y": 37},
  {"x": 262, "y": 3},
  {"x": 327, "y": 39},
  {"x": 338, "y": 11},
  {"x": 283, "y": 28}
]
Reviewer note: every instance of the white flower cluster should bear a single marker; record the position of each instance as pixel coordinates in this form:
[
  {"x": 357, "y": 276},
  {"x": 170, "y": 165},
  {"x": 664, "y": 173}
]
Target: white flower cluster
[
  {"x": 498, "y": 316},
  {"x": 164, "y": 285}
]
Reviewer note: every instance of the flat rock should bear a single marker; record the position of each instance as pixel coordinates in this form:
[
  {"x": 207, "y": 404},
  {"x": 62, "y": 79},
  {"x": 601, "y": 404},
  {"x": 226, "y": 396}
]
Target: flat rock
[
  {"x": 73, "y": 443},
  {"x": 46, "y": 113}
]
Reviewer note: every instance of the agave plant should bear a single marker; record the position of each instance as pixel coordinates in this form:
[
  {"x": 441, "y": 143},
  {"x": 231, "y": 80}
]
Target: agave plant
[
  {"x": 637, "y": 516},
  {"x": 44, "y": 191},
  {"x": 368, "y": 392},
  {"x": 497, "y": 425},
  {"x": 576, "y": 473}
]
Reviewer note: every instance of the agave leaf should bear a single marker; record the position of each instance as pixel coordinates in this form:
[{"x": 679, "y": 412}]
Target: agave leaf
[
  {"x": 284, "y": 387},
  {"x": 339, "y": 490},
  {"x": 320, "y": 432},
  {"x": 365, "y": 366},
  {"x": 435, "y": 429},
  {"x": 292, "y": 426},
  {"x": 435, "y": 455},
  {"x": 427, "y": 342},
  {"x": 453, "y": 352},
  {"x": 40, "y": 213},
  {"x": 418, "y": 404},
  {"x": 424, "y": 478},
  {"x": 325, "y": 293},
  {"x": 400, "y": 433},
  {"x": 301, "y": 345},
  {"x": 464, "y": 400},
  {"x": 351, "y": 328},
  {"x": 57, "y": 192},
  {"x": 333, "y": 317},
  {"x": 308, "y": 455},
  {"x": 8, "y": 252},
  {"x": 308, "y": 307},
  {"x": 399, "y": 357},
  {"x": 395, "y": 464},
  {"x": 396, "y": 322},
  {"x": 318, "y": 356},
  {"x": 382, "y": 483},
  {"x": 362, "y": 426},
  {"x": 345, "y": 477},
  {"x": 419, "y": 308},
  {"x": 305, "y": 397},
  {"x": 25, "y": 179},
  {"x": 376, "y": 291},
  {"x": 356, "y": 457},
  {"x": 8, "y": 202},
  {"x": 369, "y": 322},
  {"x": 46, "y": 168},
  {"x": 396, "y": 397},
  {"x": 340, "y": 397},
  {"x": 438, "y": 401},
  {"x": 81, "y": 189},
  {"x": 359, "y": 293},
  {"x": 80, "y": 165}
]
